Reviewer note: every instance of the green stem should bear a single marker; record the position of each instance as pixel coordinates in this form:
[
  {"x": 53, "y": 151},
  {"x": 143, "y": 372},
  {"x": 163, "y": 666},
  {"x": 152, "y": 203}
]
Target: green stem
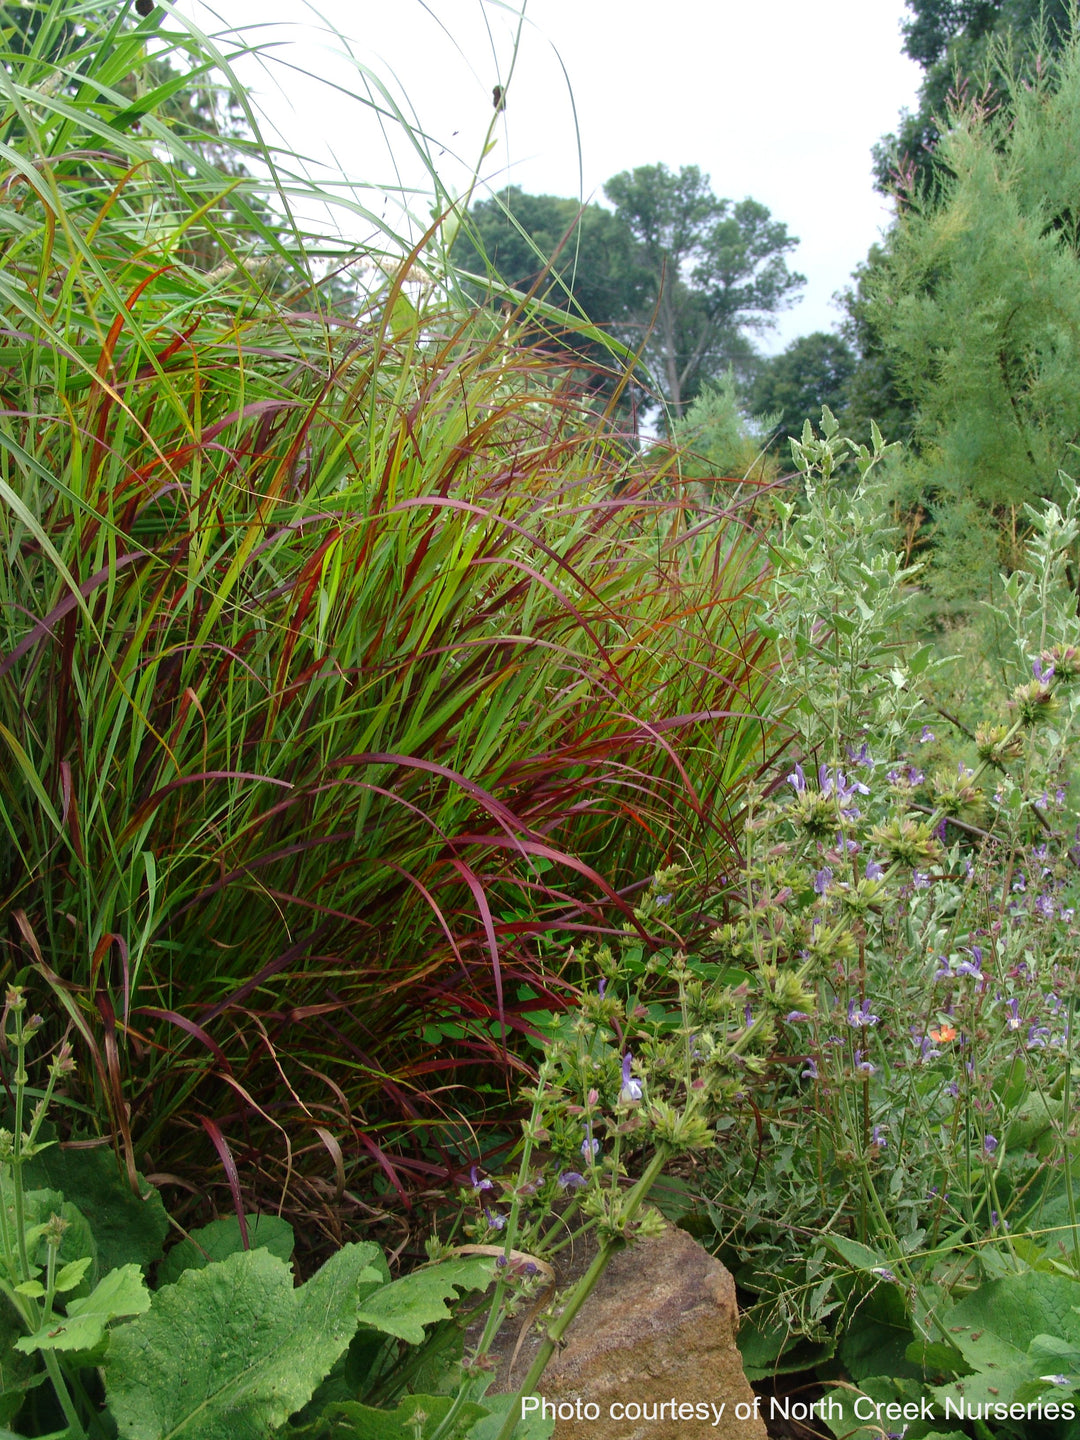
[
  {"x": 584, "y": 1288},
  {"x": 71, "y": 1415}
]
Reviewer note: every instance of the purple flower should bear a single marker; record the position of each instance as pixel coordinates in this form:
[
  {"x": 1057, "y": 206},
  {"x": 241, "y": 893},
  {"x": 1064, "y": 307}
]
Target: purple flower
[
  {"x": 915, "y": 776},
  {"x": 883, "y": 1271},
  {"x": 990, "y": 1144},
  {"x": 495, "y": 1220},
  {"x": 797, "y": 780},
  {"x": 477, "y": 1184},
  {"x": 1059, "y": 796},
  {"x": 877, "y": 1138},
  {"x": 1019, "y": 884},
  {"x": 1044, "y": 676},
  {"x": 570, "y": 1180},
  {"x": 748, "y": 1014},
  {"x": 859, "y": 1016},
  {"x": 1013, "y": 1022},
  {"x": 811, "y": 1072},
  {"x": 863, "y": 1065},
  {"x": 862, "y": 756},
  {"x": 920, "y": 880},
  {"x": 793, "y": 1017},
  {"x": 1043, "y": 907},
  {"x": 631, "y": 1091},
  {"x": 943, "y": 972},
  {"x": 969, "y": 967},
  {"x": 1043, "y": 802},
  {"x": 601, "y": 988},
  {"x": 1037, "y": 1037},
  {"x": 873, "y": 870},
  {"x": 590, "y": 1148},
  {"x": 821, "y": 880},
  {"x": 926, "y": 736}
]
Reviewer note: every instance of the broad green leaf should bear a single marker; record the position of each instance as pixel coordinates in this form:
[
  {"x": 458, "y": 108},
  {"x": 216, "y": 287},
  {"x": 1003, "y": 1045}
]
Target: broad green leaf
[
  {"x": 126, "y": 1227},
  {"x": 122, "y": 1292},
  {"x": 405, "y": 1306},
  {"x": 222, "y": 1237},
  {"x": 232, "y": 1350},
  {"x": 529, "y": 1427},
  {"x": 18, "y": 1373},
  {"x": 71, "y": 1274}
]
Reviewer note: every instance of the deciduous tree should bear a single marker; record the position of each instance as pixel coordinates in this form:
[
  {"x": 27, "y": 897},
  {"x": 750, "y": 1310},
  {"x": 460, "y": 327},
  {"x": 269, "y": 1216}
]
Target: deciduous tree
[{"x": 711, "y": 270}]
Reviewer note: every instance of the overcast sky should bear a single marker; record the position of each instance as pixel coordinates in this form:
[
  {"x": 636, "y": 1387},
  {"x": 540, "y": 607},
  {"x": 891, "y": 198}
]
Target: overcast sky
[{"x": 779, "y": 100}]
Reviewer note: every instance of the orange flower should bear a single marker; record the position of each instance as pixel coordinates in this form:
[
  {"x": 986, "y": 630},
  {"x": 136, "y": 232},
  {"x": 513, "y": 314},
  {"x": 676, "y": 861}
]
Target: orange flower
[{"x": 943, "y": 1035}]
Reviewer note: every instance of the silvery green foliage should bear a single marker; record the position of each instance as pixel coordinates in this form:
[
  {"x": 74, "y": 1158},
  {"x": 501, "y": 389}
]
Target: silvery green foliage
[
  {"x": 838, "y": 598},
  {"x": 1040, "y": 609}
]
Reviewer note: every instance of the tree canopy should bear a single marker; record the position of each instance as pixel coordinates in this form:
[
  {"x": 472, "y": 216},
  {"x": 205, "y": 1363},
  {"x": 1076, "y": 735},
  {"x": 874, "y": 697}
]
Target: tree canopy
[
  {"x": 676, "y": 270},
  {"x": 976, "y": 300},
  {"x": 960, "y": 45},
  {"x": 791, "y": 387},
  {"x": 711, "y": 271}
]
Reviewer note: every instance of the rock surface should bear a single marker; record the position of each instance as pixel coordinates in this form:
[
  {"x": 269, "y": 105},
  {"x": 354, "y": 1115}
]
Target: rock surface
[{"x": 657, "y": 1334}]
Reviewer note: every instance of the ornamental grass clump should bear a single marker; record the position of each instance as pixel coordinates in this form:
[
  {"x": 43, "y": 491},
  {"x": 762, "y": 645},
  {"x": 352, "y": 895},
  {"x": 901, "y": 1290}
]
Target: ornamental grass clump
[{"x": 344, "y": 651}]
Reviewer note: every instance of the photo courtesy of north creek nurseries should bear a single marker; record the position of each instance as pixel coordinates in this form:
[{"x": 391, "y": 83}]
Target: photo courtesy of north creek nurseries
[{"x": 539, "y": 836}]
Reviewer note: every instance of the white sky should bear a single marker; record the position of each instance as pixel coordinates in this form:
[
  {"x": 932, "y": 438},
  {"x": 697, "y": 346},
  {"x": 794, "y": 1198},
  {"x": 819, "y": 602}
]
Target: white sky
[{"x": 778, "y": 99}]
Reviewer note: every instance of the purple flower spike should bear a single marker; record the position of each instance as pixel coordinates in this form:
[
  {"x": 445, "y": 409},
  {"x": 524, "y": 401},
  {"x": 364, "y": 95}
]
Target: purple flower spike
[{"x": 631, "y": 1091}]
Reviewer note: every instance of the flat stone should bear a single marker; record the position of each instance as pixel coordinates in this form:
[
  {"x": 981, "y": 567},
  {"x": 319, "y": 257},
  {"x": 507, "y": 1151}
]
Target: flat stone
[{"x": 656, "y": 1334}]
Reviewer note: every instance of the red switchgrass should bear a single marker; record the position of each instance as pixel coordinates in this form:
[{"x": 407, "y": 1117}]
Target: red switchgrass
[{"x": 350, "y": 672}]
